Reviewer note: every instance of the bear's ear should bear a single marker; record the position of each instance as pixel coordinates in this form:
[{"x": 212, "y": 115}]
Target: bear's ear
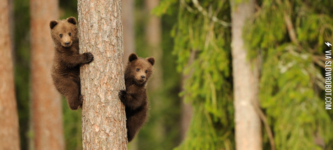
[
  {"x": 132, "y": 57},
  {"x": 151, "y": 60},
  {"x": 71, "y": 20},
  {"x": 53, "y": 23}
]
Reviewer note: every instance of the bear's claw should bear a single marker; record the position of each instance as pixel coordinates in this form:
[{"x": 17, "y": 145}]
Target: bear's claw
[
  {"x": 89, "y": 57},
  {"x": 81, "y": 101},
  {"x": 122, "y": 94}
]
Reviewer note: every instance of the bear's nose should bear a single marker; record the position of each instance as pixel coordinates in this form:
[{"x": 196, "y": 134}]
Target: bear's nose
[
  {"x": 143, "y": 77},
  {"x": 66, "y": 43}
]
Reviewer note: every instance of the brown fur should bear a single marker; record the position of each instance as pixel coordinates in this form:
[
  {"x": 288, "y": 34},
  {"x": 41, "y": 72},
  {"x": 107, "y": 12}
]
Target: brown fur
[
  {"x": 67, "y": 60},
  {"x": 137, "y": 73}
]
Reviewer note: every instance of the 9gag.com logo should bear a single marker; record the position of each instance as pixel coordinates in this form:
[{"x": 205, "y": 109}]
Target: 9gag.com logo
[{"x": 328, "y": 77}]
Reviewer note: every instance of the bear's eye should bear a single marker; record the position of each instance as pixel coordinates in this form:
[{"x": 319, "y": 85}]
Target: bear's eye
[
  {"x": 69, "y": 34},
  {"x": 137, "y": 69},
  {"x": 60, "y": 35},
  {"x": 146, "y": 71}
]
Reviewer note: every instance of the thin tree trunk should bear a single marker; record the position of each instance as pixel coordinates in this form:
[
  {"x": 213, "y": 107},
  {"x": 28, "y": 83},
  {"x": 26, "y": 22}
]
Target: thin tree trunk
[
  {"x": 246, "y": 82},
  {"x": 46, "y": 100},
  {"x": 186, "y": 108},
  {"x": 153, "y": 38},
  {"x": 185, "y": 118},
  {"x": 129, "y": 30},
  {"x": 103, "y": 114},
  {"x": 9, "y": 131},
  {"x": 129, "y": 43}
]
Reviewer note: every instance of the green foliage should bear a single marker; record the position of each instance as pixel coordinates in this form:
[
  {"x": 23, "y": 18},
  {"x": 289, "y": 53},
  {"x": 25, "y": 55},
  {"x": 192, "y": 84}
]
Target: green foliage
[
  {"x": 164, "y": 7},
  {"x": 161, "y": 130},
  {"x": 210, "y": 136},
  {"x": 291, "y": 80},
  {"x": 208, "y": 87}
]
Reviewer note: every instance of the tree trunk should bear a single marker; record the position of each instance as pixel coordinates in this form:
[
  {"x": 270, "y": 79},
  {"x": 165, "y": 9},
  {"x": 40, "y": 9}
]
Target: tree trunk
[
  {"x": 129, "y": 30},
  {"x": 153, "y": 37},
  {"x": 186, "y": 118},
  {"x": 186, "y": 108},
  {"x": 46, "y": 100},
  {"x": 103, "y": 114},
  {"x": 11, "y": 25},
  {"x": 246, "y": 82},
  {"x": 129, "y": 43},
  {"x": 9, "y": 136}
]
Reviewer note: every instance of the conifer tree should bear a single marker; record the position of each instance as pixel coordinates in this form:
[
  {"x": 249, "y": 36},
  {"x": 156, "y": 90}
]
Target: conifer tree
[{"x": 103, "y": 114}]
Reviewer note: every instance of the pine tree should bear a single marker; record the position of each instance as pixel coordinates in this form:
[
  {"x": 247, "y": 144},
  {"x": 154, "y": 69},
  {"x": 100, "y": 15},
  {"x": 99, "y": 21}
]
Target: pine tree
[
  {"x": 46, "y": 100},
  {"x": 287, "y": 39},
  {"x": 289, "y": 36},
  {"x": 103, "y": 114},
  {"x": 202, "y": 30},
  {"x": 246, "y": 81},
  {"x": 9, "y": 136}
]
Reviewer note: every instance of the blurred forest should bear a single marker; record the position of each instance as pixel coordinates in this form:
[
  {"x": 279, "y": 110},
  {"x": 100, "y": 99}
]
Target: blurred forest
[{"x": 192, "y": 91}]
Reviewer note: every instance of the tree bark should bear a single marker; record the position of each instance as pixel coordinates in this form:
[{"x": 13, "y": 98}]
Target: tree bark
[
  {"x": 103, "y": 114},
  {"x": 9, "y": 131},
  {"x": 11, "y": 25},
  {"x": 185, "y": 118},
  {"x": 129, "y": 30},
  {"x": 46, "y": 100},
  {"x": 246, "y": 82}
]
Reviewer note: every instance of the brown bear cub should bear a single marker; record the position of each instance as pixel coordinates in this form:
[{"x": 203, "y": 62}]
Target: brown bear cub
[
  {"x": 137, "y": 73},
  {"x": 67, "y": 60}
]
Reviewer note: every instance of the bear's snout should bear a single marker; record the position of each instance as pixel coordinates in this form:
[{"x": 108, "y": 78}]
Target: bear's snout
[
  {"x": 66, "y": 43},
  {"x": 143, "y": 77}
]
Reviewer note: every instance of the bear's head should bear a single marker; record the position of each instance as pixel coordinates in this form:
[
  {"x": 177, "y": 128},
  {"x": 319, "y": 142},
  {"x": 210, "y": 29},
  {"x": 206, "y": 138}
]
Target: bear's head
[
  {"x": 64, "y": 32},
  {"x": 139, "y": 69}
]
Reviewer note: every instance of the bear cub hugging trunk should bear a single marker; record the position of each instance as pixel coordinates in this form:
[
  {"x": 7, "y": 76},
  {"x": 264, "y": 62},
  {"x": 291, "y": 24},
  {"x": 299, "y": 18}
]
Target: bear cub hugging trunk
[
  {"x": 137, "y": 73},
  {"x": 67, "y": 60}
]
